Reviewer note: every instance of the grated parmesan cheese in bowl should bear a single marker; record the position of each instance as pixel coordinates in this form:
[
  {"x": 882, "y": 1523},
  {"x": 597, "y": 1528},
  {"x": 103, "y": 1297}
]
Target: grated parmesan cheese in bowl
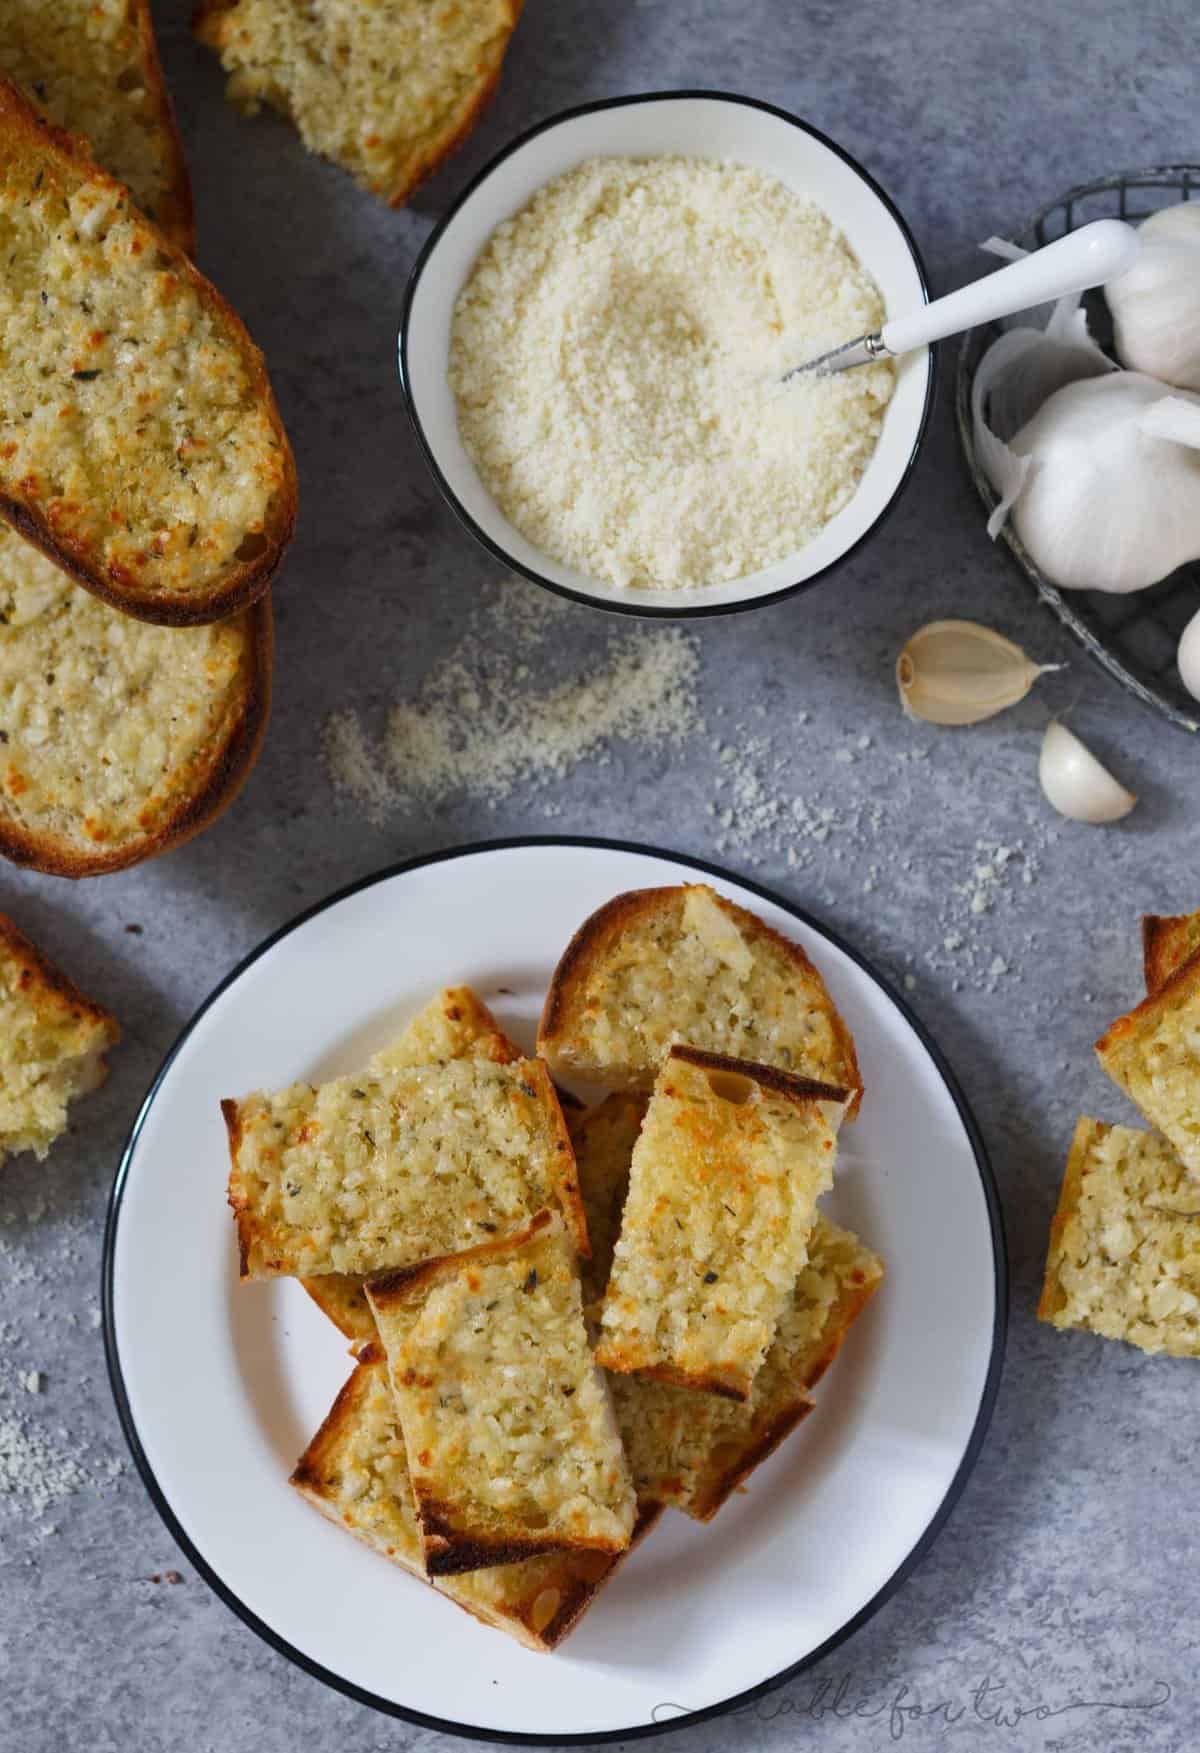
[{"x": 614, "y": 358}]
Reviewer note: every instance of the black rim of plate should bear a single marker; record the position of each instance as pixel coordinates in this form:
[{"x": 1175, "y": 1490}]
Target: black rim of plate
[
  {"x": 635, "y": 1731},
  {"x": 651, "y": 611}
]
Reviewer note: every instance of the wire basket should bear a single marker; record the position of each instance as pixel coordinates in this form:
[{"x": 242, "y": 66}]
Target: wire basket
[{"x": 1134, "y": 637}]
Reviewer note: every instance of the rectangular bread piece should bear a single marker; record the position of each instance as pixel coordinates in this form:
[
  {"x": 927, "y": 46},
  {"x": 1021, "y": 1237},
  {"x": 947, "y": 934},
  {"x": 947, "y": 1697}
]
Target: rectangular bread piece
[
  {"x": 140, "y": 445},
  {"x": 92, "y": 66},
  {"x": 726, "y": 1173},
  {"x": 1168, "y": 941},
  {"x": 657, "y": 966},
  {"x": 355, "y": 1472},
  {"x": 53, "y": 1042},
  {"x": 1153, "y": 1054},
  {"x": 512, "y": 1444},
  {"x": 688, "y": 1450},
  {"x": 692, "y": 1451},
  {"x": 395, "y": 1166},
  {"x": 455, "y": 1024},
  {"x": 1124, "y": 1256}
]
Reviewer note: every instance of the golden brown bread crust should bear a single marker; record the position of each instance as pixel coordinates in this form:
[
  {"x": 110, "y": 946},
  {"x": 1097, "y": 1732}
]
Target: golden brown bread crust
[
  {"x": 36, "y": 148},
  {"x": 1184, "y": 983},
  {"x": 1052, "y": 1297},
  {"x": 176, "y": 215},
  {"x": 782, "y": 1083},
  {"x": 1168, "y": 940},
  {"x": 56, "y": 989},
  {"x": 214, "y": 789},
  {"x": 208, "y": 18},
  {"x": 598, "y": 932}
]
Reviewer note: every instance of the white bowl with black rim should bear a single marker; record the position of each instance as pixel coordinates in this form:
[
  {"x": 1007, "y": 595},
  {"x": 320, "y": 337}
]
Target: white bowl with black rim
[{"x": 705, "y": 124}]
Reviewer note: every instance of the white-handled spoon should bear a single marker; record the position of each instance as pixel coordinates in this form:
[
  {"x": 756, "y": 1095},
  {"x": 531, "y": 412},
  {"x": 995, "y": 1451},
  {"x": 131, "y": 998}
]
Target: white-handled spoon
[{"x": 1090, "y": 256}]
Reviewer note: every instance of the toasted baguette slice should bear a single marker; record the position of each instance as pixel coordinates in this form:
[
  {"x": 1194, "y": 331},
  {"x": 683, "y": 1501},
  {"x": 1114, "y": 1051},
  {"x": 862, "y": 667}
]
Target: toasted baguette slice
[
  {"x": 118, "y": 740},
  {"x": 92, "y": 66},
  {"x": 1153, "y": 1054},
  {"x": 387, "y": 90},
  {"x": 1167, "y": 943},
  {"x": 512, "y": 1444},
  {"x": 395, "y": 1167},
  {"x": 354, "y": 1471},
  {"x": 140, "y": 444},
  {"x": 692, "y": 1451},
  {"x": 662, "y": 965},
  {"x": 52, "y": 1045},
  {"x": 1124, "y": 1256},
  {"x": 723, "y": 1190},
  {"x": 453, "y": 1025}
]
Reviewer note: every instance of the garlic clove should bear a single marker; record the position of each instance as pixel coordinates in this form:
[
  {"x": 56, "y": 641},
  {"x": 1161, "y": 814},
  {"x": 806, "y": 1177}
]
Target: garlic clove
[
  {"x": 1076, "y": 783},
  {"x": 1188, "y": 656},
  {"x": 959, "y": 672}
]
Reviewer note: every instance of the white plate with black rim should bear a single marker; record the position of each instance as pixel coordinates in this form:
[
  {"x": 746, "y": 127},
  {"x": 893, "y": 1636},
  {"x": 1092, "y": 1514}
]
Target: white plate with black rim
[{"x": 220, "y": 1385}]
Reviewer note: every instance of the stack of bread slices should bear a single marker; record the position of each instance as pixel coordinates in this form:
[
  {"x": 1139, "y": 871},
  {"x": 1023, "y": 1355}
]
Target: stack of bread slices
[
  {"x": 1124, "y": 1257},
  {"x": 147, "y": 488},
  {"x": 567, "y": 1319}
]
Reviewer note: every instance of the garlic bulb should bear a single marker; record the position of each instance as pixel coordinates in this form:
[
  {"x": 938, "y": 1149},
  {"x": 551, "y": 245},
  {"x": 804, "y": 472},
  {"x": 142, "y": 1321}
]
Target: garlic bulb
[
  {"x": 1188, "y": 656},
  {"x": 1110, "y": 498},
  {"x": 958, "y": 672},
  {"x": 1156, "y": 305},
  {"x": 1076, "y": 783},
  {"x": 1016, "y": 375}
]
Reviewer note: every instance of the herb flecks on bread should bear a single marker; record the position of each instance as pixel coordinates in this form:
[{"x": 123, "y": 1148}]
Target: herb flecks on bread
[
  {"x": 118, "y": 739},
  {"x": 512, "y": 1444},
  {"x": 726, "y": 1173},
  {"x": 455, "y": 1024},
  {"x": 394, "y": 1166},
  {"x": 92, "y": 66},
  {"x": 53, "y": 1041},
  {"x": 692, "y": 1451},
  {"x": 657, "y": 966},
  {"x": 1124, "y": 1257},
  {"x": 386, "y": 90},
  {"x": 140, "y": 445}
]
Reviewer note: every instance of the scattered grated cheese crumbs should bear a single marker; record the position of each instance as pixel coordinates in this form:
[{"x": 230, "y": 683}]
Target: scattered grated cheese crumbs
[
  {"x": 476, "y": 728},
  {"x": 29, "y": 1468}
]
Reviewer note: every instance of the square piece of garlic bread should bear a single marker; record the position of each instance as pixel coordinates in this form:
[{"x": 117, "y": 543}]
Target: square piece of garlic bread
[
  {"x": 396, "y": 1165},
  {"x": 355, "y": 1472},
  {"x": 657, "y": 966},
  {"x": 455, "y": 1024},
  {"x": 725, "y": 1177},
  {"x": 1124, "y": 1256},
  {"x": 1153, "y": 1054},
  {"x": 512, "y": 1444},
  {"x": 692, "y": 1451},
  {"x": 53, "y": 1041}
]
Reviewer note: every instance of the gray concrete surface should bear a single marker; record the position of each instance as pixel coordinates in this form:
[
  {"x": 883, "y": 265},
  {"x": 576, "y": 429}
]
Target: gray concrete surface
[{"x": 1059, "y": 1607}]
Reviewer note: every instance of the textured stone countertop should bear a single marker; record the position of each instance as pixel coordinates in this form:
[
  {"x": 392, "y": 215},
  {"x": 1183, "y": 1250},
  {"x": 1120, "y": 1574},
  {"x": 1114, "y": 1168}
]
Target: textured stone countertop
[{"x": 1067, "y": 1575}]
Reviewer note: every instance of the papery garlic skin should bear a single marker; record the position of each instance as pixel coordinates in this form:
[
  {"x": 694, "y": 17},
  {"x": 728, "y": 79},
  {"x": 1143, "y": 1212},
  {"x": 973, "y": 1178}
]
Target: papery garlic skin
[
  {"x": 1110, "y": 499},
  {"x": 960, "y": 672},
  {"x": 1076, "y": 783},
  {"x": 1188, "y": 656},
  {"x": 1156, "y": 305}
]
